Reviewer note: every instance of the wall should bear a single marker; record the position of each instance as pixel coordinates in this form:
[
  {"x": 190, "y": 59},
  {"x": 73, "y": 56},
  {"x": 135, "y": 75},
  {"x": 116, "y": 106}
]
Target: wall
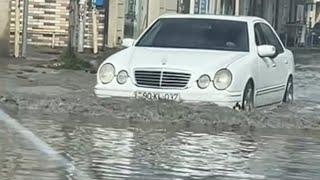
[
  {"x": 169, "y": 6},
  {"x": 4, "y": 27},
  {"x": 154, "y": 10},
  {"x": 244, "y": 7},
  {"x": 48, "y": 17},
  {"x": 88, "y": 33},
  {"x": 283, "y": 15},
  {"x": 144, "y": 12},
  {"x": 311, "y": 14},
  {"x": 116, "y": 22},
  {"x": 159, "y": 7},
  {"x": 45, "y": 18},
  {"x": 318, "y": 12},
  {"x": 141, "y": 17},
  {"x": 227, "y": 7},
  {"x": 269, "y": 11}
]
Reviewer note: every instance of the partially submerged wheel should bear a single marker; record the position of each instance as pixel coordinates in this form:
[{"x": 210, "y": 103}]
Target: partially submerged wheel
[
  {"x": 288, "y": 95},
  {"x": 248, "y": 97}
]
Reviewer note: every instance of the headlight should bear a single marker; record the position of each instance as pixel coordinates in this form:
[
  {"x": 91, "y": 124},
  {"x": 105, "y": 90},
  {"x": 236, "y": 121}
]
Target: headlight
[
  {"x": 204, "y": 81},
  {"x": 122, "y": 77},
  {"x": 222, "y": 80},
  {"x": 106, "y": 73}
]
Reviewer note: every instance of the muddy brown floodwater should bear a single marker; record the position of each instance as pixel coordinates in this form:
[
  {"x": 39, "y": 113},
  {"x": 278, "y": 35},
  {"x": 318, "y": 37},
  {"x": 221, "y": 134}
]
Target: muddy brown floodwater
[{"x": 134, "y": 139}]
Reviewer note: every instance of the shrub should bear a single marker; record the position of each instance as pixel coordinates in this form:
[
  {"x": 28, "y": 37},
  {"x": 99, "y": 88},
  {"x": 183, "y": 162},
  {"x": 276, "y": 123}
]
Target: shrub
[{"x": 70, "y": 60}]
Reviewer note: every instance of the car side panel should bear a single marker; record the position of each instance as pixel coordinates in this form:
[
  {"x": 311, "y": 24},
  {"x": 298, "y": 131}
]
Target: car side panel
[
  {"x": 291, "y": 62},
  {"x": 273, "y": 74},
  {"x": 270, "y": 83},
  {"x": 242, "y": 71}
]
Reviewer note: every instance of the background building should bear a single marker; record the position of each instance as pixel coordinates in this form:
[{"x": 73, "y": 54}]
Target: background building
[
  {"x": 4, "y": 27},
  {"x": 49, "y": 20},
  {"x": 141, "y": 13},
  {"x": 312, "y": 9}
]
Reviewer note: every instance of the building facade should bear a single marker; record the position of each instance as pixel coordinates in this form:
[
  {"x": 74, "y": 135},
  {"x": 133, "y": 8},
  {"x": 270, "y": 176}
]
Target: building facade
[
  {"x": 48, "y": 23},
  {"x": 141, "y": 13},
  {"x": 312, "y": 11},
  {"x": 49, "y": 20},
  {"x": 4, "y": 27}
]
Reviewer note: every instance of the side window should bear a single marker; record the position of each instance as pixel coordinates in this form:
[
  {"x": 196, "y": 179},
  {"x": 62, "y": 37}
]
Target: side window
[
  {"x": 260, "y": 39},
  {"x": 271, "y": 38}
]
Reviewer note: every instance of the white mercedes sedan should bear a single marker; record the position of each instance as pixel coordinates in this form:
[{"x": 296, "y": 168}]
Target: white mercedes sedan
[{"x": 231, "y": 61}]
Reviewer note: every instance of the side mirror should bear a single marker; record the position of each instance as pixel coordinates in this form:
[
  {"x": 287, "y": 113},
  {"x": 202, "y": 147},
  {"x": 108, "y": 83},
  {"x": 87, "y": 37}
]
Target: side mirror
[
  {"x": 266, "y": 51},
  {"x": 127, "y": 42}
]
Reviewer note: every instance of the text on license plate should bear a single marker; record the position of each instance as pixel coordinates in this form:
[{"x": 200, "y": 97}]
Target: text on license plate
[{"x": 157, "y": 96}]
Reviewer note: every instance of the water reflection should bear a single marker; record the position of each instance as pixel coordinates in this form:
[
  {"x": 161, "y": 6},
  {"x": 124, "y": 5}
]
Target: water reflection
[
  {"x": 206, "y": 155},
  {"x": 125, "y": 152},
  {"x": 19, "y": 160}
]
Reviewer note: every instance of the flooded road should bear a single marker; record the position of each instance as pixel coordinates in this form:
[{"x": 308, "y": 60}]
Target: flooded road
[{"x": 109, "y": 148}]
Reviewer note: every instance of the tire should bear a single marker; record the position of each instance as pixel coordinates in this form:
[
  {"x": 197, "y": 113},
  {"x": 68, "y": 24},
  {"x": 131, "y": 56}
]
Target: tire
[
  {"x": 248, "y": 97},
  {"x": 288, "y": 97}
]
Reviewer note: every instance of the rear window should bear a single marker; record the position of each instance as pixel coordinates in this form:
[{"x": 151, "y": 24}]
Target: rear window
[{"x": 197, "y": 34}]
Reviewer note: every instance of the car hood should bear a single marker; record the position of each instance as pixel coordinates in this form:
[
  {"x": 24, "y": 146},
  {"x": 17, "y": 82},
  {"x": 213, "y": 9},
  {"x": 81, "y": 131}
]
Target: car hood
[{"x": 182, "y": 59}]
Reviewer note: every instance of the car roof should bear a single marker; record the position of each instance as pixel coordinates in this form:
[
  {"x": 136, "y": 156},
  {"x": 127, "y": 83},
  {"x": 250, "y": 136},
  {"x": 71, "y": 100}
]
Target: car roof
[{"x": 211, "y": 16}]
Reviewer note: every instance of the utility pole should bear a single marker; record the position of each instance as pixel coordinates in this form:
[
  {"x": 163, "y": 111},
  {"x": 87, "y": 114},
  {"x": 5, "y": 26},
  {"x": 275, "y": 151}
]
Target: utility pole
[
  {"x": 25, "y": 28},
  {"x": 212, "y": 6},
  {"x": 72, "y": 43},
  {"x": 237, "y": 8},
  {"x": 191, "y": 10},
  {"x": 106, "y": 23},
  {"x": 218, "y": 7},
  {"x": 82, "y": 13},
  {"x": 76, "y": 23},
  {"x": 94, "y": 29},
  {"x": 17, "y": 29},
  {"x": 148, "y": 14},
  {"x": 71, "y": 26}
]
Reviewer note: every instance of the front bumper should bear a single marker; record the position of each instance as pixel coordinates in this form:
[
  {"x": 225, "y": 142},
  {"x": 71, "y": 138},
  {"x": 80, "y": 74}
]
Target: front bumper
[{"x": 189, "y": 95}]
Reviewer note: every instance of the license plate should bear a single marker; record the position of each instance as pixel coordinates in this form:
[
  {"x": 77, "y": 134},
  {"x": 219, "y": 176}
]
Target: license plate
[{"x": 154, "y": 96}]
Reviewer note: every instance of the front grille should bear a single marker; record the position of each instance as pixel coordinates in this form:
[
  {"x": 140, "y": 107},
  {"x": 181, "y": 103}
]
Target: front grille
[{"x": 161, "y": 79}]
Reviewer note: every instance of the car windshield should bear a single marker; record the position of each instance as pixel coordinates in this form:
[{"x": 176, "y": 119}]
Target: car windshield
[{"x": 197, "y": 34}]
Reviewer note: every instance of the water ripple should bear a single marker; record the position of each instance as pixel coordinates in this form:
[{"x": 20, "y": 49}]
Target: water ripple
[{"x": 106, "y": 152}]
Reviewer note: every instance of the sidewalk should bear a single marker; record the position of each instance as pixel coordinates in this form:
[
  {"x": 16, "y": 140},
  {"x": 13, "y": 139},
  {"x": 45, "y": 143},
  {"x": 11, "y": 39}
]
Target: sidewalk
[
  {"x": 43, "y": 53},
  {"x": 49, "y": 55}
]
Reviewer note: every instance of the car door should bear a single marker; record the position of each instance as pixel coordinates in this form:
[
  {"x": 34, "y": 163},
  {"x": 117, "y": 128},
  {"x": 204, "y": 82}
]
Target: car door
[{"x": 272, "y": 71}]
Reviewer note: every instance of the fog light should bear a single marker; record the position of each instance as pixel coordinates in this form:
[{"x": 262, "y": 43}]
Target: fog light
[
  {"x": 122, "y": 77},
  {"x": 204, "y": 81}
]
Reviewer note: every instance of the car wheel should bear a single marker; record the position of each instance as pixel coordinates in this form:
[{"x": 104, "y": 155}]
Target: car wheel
[
  {"x": 248, "y": 97},
  {"x": 288, "y": 95}
]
